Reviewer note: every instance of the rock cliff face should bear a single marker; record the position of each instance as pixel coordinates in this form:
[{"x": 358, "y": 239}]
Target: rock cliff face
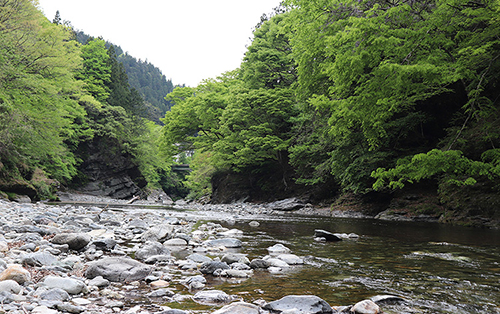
[{"x": 109, "y": 173}]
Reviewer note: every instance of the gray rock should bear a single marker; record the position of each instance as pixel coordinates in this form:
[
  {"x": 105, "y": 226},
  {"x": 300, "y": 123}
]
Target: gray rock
[
  {"x": 327, "y": 235},
  {"x": 290, "y": 259},
  {"x": 239, "y": 266},
  {"x": 30, "y": 229},
  {"x": 235, "y": 273},
  {"x": 275, "y": 262},
  {"x": 304, "y": 304},
  {"x": 365, "y": 307},
  {"x": 238, "y": 308},
  {"x": 158, "y": 233},
  {"x": 259, "y": 263},
  {"x": 138, "y": 223},
  {"x": 211, "y": 297},
  {"x": 225, "y": 242},
  {"x": 118, "y": 269},
  {"x": 76, "y": 241},
  {"x": 105, "y": 244},
  {"x": 172, "y": 311},
  {"x": 209, "y": 268},
  {"x": 6, "y": 297},
  {"x": 70, "y": 308},
  {"x": 159, "y": 259},
  {"x": 163, "y": 292},
  {"x": 195, "y": 282},
  {"x": 288, "y": 204},
  {"x": 386, "y": 299},
  {"x": 176, "y": 242},
  {"x": 232, "y": 258},
  {"x": 54, "y": 294},
  {"x": 70, "y": 285},
  {"x": 278, "y": 248},
  {"x": 38, "y": 259},
  {"x": 151, "y": 249},
  {"x": 10, "y": 286},
  {"x": 198, "y": 258},
  {"x": 99, "y": 281}
]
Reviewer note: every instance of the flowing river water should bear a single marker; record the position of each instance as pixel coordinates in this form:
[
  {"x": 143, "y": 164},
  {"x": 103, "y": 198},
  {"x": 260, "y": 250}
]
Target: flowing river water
[{"x": 436, "y": 268}]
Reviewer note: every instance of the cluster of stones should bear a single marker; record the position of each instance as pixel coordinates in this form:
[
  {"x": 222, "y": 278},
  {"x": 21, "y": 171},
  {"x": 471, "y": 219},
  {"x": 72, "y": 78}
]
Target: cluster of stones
[{"x": 77, "y": 259}]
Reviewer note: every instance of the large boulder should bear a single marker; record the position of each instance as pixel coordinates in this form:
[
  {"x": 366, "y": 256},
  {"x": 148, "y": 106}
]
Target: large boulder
[
  {"x": 288, "y": 204},
  {"x": 76, "y": 241},
  {"x": 118, "y": 269},
  {"x": 303, "y": 304}
]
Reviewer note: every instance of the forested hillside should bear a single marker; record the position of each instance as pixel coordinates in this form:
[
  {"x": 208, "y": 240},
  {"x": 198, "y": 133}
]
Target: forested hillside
[
  {"x": 68, "y": 112},
  {"x": 355, "y": 97},
  {"x": 147, "y": 79},
  {"x": 362, "y": 101}
]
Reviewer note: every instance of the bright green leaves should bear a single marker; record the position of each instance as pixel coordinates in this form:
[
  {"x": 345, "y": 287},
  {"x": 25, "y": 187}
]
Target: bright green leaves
[
  {"x": 96, "y": 71},
  {"x": 458, "y": 169},
  {"x": 255, "y": 128},
  {"x": 268, "y": 62},
  {"x": 39, "y": 113}
]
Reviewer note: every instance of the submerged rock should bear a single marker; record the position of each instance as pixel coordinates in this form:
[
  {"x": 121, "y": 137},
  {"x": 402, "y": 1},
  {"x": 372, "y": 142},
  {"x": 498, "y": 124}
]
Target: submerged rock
[{"x": 327, "y": 235}]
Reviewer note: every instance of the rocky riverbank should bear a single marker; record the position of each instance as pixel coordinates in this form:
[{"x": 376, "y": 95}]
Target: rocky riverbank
[{"x": 87, "y": 259}]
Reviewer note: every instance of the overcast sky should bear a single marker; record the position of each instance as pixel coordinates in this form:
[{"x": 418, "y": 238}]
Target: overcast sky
[{"x": 189, "y": 40}]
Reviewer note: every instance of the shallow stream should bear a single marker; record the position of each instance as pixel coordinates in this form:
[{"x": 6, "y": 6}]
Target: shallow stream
[{"x": 436, "y": 268}]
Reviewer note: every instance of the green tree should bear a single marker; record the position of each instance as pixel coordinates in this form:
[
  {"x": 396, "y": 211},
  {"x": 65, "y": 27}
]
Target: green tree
[
  {"x": 96, "y": 71},
  {"x": 379, "y": 69},
  {"x": 40, "y": 117}
]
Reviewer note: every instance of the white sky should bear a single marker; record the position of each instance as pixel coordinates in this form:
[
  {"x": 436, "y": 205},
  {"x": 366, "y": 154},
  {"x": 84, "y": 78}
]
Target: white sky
[{"x": 189, "y": 40}]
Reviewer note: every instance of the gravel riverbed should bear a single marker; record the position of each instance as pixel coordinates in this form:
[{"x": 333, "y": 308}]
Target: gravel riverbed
[{"x": 84, "y": 258}]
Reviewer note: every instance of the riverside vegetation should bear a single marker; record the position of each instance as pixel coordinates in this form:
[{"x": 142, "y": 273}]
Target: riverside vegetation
[{"x": 362, "y": 104}]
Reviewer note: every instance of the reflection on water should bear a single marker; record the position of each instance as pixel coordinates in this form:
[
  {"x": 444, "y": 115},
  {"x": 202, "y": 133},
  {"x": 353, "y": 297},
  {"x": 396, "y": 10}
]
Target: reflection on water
[{"x": 437, "y": 268}]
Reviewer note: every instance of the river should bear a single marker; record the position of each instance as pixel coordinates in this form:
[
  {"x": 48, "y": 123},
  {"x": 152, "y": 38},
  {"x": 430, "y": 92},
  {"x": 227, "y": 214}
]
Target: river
[{"x": 437, "y": 268}]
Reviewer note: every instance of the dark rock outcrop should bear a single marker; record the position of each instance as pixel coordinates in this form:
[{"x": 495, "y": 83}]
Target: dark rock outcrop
[{"x": 107, "y": 173}]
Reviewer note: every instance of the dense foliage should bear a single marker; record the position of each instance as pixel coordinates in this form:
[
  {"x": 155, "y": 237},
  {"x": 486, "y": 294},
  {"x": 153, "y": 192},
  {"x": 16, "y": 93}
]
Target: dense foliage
[
  {"x": 56, "y": 96},
  {"x": 370, "y": 94},
  {"x": 144, "y": 77}
]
